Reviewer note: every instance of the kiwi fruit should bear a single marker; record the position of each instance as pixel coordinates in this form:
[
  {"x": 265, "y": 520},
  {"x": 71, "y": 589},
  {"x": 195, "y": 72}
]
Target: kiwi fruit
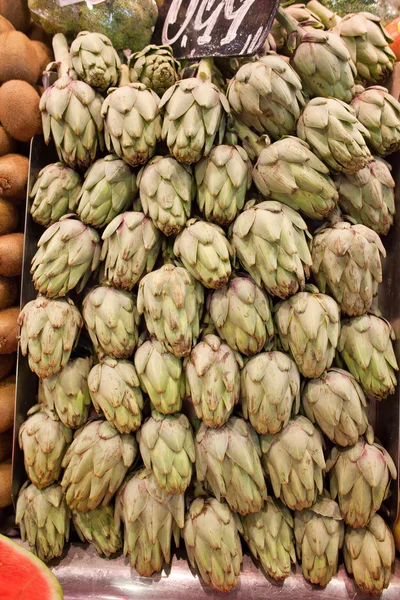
[
  {"x": 7, "y": 363},
  {"x": 8, "y": 291},
  {"x": 6, "y": 439},
  {"x": 11, "y": 254},
  {"x": 19, "y": 110},
  {"x": 17, "y": 12},
  {"x": 18, "y": 58},
  {"x": 8, "y": 218},
  {"x": 7, "y": 144},
  {"x": 14, "y": 170},
  {"x": 7, "y": 403},
  {"x": 44, "y": 55},
  {"x": 9, "y": 330},
  {"x": 5, "y": 25},
  {"x": 5, "y": 483}
]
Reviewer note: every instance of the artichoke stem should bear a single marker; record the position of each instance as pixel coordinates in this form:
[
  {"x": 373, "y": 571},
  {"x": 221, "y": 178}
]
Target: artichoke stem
[
  {"x": 205, "y": 69},
  {"x": 328, "y": 18},
  {"x": 256, "y": 142},
  {"x": 168, "y": 253},
  {"x": 61, "y": 54},
  {"x": 124, "y": 76},
  {"x": 292, "y": 28}
]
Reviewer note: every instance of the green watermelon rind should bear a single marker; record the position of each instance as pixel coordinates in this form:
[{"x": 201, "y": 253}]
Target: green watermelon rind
[{"x": 54, "y": 588}]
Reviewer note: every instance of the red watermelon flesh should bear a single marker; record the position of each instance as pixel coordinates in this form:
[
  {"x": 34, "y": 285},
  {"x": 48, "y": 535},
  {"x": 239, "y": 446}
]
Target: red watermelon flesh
[{"x": 23, "y": 576}]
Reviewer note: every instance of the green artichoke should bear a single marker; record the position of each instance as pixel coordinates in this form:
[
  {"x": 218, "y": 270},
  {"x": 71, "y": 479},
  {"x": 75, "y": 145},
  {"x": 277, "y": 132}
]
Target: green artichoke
[
  {"x": 109, "y": 188},
  {"x": 360, "y": 478},
  {"x": 54, "y": 194},
  {"x": 115, "y": 392},
  {"x": 365, "y": 346},
  {"x": 112, "y": 321},
  {"x": 44, "y": 441},
  {"x": 161, "y": 376},
  {"x": 154, "y": 66},
  {"x": 95, "y": 60},
  {"x": 270, "y": 241},
  {"x": 172, "y": 303},
  {"x": 304, "y": 15},
  {"x": 287, "y": 171},
  {"x": 167, "y": 190},
  {"x": 97, "y": 528},
  {"x": 241, "y": 313},
  {"x": 319, "y": 533},
  {"x": 211, "y": 535},
  {"x": 167, "y": 447},
  {"x": 334, "y": 134},
  {"x": 228, "y": 460},
  {"x": 308, "y": 325},
  {"x": 44, "y": 520},
  {"x": 68, "y": 252},
  {"x": 49, "y": 331},
  {"x": 151, "y": 517},
  {"x": 96, "y": 464},
  {"x": 213, "y": 380},
  {"x": 294, "y": 461},
  {"x": 270, "y": 391}
]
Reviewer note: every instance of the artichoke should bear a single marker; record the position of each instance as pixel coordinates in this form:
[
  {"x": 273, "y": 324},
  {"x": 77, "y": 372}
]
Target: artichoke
[
  {"x": 213, "y": 380},
  {"x": 167, "y": 447},
  {"x": 44, "y": 520},
  {"x": 304, "y": 15},
  {"x": 253, "y": 143},
  {"x": 67, "y": 393},
  {"x": 294, "y": 461},
  {"x": 269, "y": 535},
  {"x": 319, "y": 533},
  {"x": 308, "y": 325},
  {"x": 347, "y": 264},
  {"x": 167, "y": 190},
  {"x": 365, "y": 346},
  {"x": 241, "y": 313},
  {"x": 161, "y": 376},
  {"x": 112, "y": 321},
  {"x": 211, "y": 535},
  {"x": 49, "y": 331},
  {"x": 115, "y": 391},
  {"x": 360, "y": 478},
  {"x": 270, "y": 390},
  {"x": 228, "y": 460},
  {"x": 223, "y": 179},
  {"x": 44, "y": 441},
  {"x": 96, "y": 464},
  {"x": 109, "y": 188},
  {"x": 336, "y": 403},
  {"x": 97, "y": 528},
  {"x": 205, "y": 252},
  {"x": 369, "y": 554},
  {"x": 172, "y": 303},
  {"x": 154, "y": 66},
  {"x": 54, "y": 194},
  {"x": 379, "y": 112},
  {"x": 95, "y": 60},
  {"x": 270, "y": 241},
  {"x": 151, "y": 517},
  {"x": 334, "y": 134},
  {"x": 68, "y": 252},
  {"x": 287, "y": 171}
]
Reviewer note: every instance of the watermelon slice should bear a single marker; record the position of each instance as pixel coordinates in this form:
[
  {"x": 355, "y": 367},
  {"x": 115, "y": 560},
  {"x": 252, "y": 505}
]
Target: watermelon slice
[{"x": 23, "y": 576}]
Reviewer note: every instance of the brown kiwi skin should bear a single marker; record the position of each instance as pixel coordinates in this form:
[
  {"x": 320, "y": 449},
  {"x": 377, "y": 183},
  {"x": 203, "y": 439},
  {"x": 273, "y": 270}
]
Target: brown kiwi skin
[
  {"x": 18, "y": 58},
  {"x": 7, "y": 363},
  {"x": 8, "y": 292},
  {"x": 11, "y": 255},
  {"x": 5, "y": 483},
  {"x": 17, "y": 12},
  {"x": 9, "y": 330},
  {"x": 6, "y": 439},
  {"x": 13, "y": 177},
  {"x": 19, "y": 110},
  {"x": 8, "y": 217},
  {"x": 5, "y": 25},
  {"x": 44, "y": 54},
  {"x": 7, "y": 144},
  {"x": 7, "y": 403}
]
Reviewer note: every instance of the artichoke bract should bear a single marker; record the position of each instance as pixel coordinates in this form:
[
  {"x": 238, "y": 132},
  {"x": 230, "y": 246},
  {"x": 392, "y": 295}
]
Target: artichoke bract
[
  {"x": 167, "y": 189},
  {"x": 95, "y": 60},
  {"x": 97, "y": 528},
  {"x": 109, "y": 188},
  {"x": 270, "y": 241},
  {"x": 319, "y": 533},
  {"x": 154, "y": 66},
  {"x": 115, "y": 392},
  {"x": 360, "y": 478},
  {"x": 369, "y": 554},
  {"x": 308, "y": 325},
  {"x": 211, "y": 535},
  {"x": 112, "y": 321},
  {"x": 287, "y": 171},
  {"x": 96, "y": 464},
  {"x": 151, "y": 517},
  {"x": 228, "y": 460},
  {"x": 241, "y": 313},
  {"x": 294, "y": 460},
  {"x": 44, "y": 520},
  {"x": 49, "y": 331},
  {"x": 269, "y": 535},
  {"x": 337, "y": 404},
  {"x": 334, "y": 134},
  {"x": 213, "y": 379},
  {"x": 44, "y": 441},
  {"x": 365, "y": 346},
  {"x": 167, "y": 447},
  {"x": 54, "y": 194},
  {"x": 172, "y": 303},
  {"x": 270, "y": 390}
]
